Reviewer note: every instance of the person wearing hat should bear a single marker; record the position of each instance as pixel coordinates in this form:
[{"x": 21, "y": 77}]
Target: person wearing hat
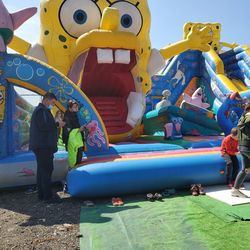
[{"x": 243, "y": 128}]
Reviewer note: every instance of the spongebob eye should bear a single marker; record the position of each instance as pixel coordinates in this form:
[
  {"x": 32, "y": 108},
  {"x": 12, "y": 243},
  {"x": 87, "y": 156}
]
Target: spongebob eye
[
  {"x": 130, "y": 17},
  {"x": 79, "y": 16},
  {"x": 180, "y": 120},
  {"x": 126, "y": 21},
  {"x": 174, "y": 120}
]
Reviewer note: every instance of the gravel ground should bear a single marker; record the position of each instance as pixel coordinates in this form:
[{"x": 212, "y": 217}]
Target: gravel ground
[{"x": 26, "y": 223}]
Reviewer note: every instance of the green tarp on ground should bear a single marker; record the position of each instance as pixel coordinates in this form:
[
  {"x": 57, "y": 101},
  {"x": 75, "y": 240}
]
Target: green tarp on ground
[
  {"x": 139, "y": 225},
  {"x": 178, "y": 222},
  {"x": 221, "y": 210}
]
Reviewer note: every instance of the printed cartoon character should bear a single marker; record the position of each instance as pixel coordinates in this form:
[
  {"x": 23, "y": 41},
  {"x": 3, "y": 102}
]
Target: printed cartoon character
[
  {"x": 26, "y": 172},
  {"x": 179, "y": 77},
  {"x": 172, "y": 130},
  {"x": 95, "y": 135},
  {"x": 85, "y": 114},
  {"x": 83, "y": 37},
  {"x": 164, "y": 101},
  {"x": 196, "y": 99}
]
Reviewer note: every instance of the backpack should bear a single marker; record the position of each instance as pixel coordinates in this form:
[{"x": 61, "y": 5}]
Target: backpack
[
  {"x": 75, "y": 147},
  {"x": 241, "y": 122},
  {"x": 243, "y": 129}
]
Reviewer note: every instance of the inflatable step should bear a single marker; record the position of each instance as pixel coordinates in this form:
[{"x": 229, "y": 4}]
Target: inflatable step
[
  {"x": 113, "y": 111},
  {"x": 108, "y": 113},
  {"x": 111, "y": 118},
  {"x": 118, "y": 130},
  {"x": 114, "y": 123}
]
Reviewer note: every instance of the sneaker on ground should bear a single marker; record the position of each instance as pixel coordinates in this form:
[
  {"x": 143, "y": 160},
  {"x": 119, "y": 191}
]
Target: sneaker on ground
[
  {"x": 31, "y": 190},
  {"x": 158, "y": 196},
  {"x": 150, "y": 197},
  {"x": 194, "y": 189},
  {"x": 237, "y": 193}
]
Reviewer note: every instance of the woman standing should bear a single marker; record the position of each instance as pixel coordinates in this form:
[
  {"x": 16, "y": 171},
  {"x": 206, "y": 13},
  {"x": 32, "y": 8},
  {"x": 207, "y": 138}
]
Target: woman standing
[{"x": 72, "y": 122}]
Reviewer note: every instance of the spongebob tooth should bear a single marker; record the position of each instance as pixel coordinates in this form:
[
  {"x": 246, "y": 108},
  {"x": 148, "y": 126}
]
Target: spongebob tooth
[
  {"x": 156, "y": 62},
  {"x": 122, "y": 56},
  {"x": 136, "y": 107},
  {"x": 104, "y": 56}
]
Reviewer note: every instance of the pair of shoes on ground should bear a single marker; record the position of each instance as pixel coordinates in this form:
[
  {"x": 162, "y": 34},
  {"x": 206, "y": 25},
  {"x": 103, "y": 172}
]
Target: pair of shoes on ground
[
  {"x": 153, "y": 197},
  {"x": 237, "y": 193},
  {"x": 88, "y": 203},
  {"x": 197, "y": 189},
  {"x": 116, "y": 201},
  {"x": 31, "y": 190}
]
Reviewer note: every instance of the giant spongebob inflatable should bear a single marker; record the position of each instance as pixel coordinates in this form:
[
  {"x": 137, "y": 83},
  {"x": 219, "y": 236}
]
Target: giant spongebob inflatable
[{"x": 104, "y": 47}]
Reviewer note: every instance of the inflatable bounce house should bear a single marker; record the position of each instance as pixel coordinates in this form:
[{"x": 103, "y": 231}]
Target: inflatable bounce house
[{"x": 99, "y": 53}]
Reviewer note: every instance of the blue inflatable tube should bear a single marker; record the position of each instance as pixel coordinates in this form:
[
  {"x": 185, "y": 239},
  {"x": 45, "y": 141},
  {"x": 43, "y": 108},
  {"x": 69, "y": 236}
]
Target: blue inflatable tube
[{"x": 132, "y": 176}]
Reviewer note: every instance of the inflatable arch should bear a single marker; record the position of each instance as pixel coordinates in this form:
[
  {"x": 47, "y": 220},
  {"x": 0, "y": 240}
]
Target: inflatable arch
[{"x": 40, "y": 78}]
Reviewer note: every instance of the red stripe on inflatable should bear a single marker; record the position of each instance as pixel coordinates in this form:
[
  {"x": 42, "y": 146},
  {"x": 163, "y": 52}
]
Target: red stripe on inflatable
[{"x": 145, "y": 155}]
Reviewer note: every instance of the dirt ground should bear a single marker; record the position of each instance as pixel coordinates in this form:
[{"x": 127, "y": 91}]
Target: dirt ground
[{"x": 27, "y": 223}]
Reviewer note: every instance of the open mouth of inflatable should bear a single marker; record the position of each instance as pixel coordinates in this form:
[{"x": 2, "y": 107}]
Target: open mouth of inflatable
[{"x": 107, "y": 80}]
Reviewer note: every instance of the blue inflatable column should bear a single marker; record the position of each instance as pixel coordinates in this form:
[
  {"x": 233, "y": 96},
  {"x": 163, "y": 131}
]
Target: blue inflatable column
[{"x": 7, "y": 112}]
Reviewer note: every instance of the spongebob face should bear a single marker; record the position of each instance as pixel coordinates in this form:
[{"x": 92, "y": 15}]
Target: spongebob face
[
  {"x": 63, "y": 22},
  {"x": 80, "y": 16},
  {"x": 104, "y": 47}
]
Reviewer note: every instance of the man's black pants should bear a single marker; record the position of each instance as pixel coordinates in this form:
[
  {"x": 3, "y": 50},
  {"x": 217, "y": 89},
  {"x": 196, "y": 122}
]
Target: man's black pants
[{"x": 44, "y": 158}]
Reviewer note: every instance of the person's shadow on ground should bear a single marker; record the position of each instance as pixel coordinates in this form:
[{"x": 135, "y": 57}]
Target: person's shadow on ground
[{"x": 65, "y": 212}]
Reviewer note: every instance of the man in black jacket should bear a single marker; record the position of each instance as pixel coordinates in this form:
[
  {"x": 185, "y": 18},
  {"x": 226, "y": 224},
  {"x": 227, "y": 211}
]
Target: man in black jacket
[{"x": 43, "y": 142}]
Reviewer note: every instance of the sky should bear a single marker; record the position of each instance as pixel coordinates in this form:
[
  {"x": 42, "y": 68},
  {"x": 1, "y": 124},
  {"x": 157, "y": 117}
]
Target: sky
[{"x": 168, "y": 18}]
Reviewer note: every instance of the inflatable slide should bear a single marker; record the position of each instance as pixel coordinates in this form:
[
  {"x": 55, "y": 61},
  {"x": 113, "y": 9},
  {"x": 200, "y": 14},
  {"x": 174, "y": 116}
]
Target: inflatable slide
[{"x": 217, "y": 73}]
